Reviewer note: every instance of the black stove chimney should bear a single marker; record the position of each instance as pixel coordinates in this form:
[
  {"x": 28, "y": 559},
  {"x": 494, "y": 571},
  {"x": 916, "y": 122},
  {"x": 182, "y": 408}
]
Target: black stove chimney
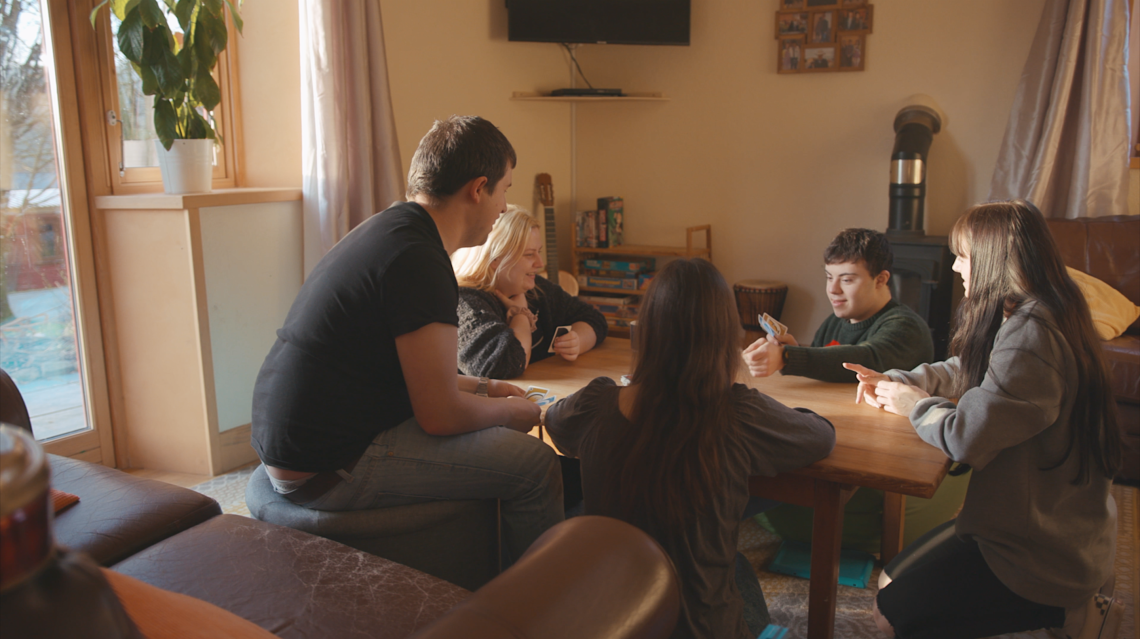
[{"x": 915, "y": 126}]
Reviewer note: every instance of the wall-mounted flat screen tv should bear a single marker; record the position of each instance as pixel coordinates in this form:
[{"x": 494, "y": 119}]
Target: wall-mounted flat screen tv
[{"x": 599, "y": 21}]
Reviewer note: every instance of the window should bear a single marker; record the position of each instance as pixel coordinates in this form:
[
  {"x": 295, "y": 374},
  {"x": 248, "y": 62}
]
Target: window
[
  {"x": 50, "y": 342},
  {"x": 127, "y": 125}
]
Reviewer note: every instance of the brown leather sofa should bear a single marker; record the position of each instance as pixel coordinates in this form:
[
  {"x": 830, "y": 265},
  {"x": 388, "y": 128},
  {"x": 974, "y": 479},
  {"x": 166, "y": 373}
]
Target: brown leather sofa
[
  {"x": 1108, "y": 248},
  {"x": 586, "y": 577}
]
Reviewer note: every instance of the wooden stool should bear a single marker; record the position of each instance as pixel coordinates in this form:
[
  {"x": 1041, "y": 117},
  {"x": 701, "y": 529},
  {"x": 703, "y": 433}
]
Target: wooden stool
[{"x": 756, "y": 297}]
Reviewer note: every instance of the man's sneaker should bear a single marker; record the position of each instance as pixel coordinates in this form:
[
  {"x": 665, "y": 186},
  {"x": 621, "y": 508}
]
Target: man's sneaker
[{"x": 1104, "y": 617}]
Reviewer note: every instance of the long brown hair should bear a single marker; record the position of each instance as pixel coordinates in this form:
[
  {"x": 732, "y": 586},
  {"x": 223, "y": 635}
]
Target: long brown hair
[
  {"x": 688, "y": 354},
  {"x": 1014, "y": 259}
]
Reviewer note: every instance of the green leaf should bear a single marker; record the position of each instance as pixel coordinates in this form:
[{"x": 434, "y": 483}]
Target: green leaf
[
  {"x": 169, "y": 74},
  {"x": 95, "y": 12},
  {"x": 206, "y": 91},
  {"x": 170, "y": 4},
  {"x": 213, "y": 6},
  {"x": 155, "y": 47},
  {"x": 152, "y": 15},
  {"x": 149, "y": 82},
  {"x": 235, "y": 15},
  {"x": 197, "y": 127},
  {"x": 122, "y": 7},
  {"x": 187, "y": 60},
  {"x": 184, "y": 11},
  {"x": 165, "y": 122},
  {"x": 131, "y": 37},
  {"x": 204, "y": 55},
  {"x": 212, "y": 27}
]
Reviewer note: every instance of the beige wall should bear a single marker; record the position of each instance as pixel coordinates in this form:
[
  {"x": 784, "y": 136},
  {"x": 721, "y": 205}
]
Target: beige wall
[
  {"x": 269, "y": 66},
  {"x": 779, "y": 163},
  {"x": 776, "y": 163}
]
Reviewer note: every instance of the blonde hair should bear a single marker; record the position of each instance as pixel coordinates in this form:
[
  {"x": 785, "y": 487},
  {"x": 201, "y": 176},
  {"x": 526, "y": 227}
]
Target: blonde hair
[{"x": 506, "y": 243}]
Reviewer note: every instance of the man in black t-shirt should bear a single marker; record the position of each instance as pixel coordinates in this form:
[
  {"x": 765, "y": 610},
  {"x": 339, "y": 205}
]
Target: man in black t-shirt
[{"x": 358, "y": 404}]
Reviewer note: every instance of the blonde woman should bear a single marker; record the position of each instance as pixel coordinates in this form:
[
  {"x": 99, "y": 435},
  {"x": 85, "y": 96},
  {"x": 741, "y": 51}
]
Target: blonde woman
[{"x": 508, "y": 311}]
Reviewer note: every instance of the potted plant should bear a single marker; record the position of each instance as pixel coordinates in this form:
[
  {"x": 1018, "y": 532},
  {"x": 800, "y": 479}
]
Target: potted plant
[{"x": 177, "y": 69}]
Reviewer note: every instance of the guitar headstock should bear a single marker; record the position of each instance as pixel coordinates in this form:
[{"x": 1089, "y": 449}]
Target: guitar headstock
[{"x": 545, "y": 187}]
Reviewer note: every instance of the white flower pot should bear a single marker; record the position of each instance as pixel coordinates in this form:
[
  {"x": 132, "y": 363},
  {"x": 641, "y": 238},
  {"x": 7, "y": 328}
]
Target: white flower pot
[{"x": 187, "y": 167}]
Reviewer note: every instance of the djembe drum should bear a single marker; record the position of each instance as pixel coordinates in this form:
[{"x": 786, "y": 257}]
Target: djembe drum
[{"x": 756, "y": 297}]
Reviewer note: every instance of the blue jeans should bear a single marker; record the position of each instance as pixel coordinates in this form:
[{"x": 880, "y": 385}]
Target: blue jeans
[{"x": 405, "y": 465}]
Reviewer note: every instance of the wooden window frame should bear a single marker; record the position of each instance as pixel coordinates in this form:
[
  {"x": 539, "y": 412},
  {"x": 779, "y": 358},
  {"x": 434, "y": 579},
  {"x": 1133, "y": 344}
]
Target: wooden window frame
[{"x": 97, "y": 88}]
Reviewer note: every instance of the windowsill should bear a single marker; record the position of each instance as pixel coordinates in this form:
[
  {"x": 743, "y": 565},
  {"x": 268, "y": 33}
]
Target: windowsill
[{"x": 218, "y": 197}]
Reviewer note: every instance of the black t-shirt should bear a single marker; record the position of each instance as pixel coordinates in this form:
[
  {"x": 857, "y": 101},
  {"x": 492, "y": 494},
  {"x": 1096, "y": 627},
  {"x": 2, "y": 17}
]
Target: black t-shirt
[{"x": 333, "y": 381}]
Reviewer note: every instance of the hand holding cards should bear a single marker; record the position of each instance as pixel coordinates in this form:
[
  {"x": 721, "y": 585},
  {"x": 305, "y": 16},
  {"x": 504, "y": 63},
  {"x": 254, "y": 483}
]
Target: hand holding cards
[
  {"x": 771, "y": 326},
  {"x": 540, "y": 395},
  {"x": 558, "y": 332}
]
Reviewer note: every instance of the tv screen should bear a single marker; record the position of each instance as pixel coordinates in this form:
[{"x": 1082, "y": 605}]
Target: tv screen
[{"x": 599, "y": 21}]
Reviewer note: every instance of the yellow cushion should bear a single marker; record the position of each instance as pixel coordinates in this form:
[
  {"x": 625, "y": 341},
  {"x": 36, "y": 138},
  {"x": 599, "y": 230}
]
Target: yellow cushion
[
  {"x": 161, "y": 614},
  {"x": 1112, "y": 313}
]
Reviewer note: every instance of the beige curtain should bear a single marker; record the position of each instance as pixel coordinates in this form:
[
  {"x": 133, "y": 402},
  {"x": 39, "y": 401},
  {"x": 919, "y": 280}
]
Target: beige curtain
[
  {"x": 350, "y": 155},
  {"x": 1066, "y": 144}
]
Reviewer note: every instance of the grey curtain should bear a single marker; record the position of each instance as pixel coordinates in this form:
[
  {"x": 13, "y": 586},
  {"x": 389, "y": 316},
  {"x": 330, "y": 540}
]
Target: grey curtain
[
  {"x": 1066, "y": 144},
  {"x": 350, "y": 155}
]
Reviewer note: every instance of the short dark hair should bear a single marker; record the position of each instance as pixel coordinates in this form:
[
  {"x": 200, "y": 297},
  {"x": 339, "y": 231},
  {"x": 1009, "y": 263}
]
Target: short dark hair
[
  {"x": 852, "y": 245},
  {"x": 456, "y": 151}
]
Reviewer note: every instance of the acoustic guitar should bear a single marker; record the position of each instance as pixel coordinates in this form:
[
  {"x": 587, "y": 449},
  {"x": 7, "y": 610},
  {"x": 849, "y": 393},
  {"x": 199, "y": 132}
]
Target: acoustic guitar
[{"x": 545, "y": 187}]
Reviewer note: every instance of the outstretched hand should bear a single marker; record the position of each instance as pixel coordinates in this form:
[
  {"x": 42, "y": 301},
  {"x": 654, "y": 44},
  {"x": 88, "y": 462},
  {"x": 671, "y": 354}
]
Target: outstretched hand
[{"x": 878, "y": 391}]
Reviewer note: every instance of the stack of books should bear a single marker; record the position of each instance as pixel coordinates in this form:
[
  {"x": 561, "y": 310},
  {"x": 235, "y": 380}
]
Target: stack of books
[
  {"x": 603, "y": 226},
  {"x": 616, "y": 275},
  {"x": 624, "y": 278}
]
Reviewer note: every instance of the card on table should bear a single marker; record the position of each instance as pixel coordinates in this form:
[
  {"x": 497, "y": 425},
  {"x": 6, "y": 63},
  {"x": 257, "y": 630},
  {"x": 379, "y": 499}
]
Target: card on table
[{"x": 558, "y": 332}]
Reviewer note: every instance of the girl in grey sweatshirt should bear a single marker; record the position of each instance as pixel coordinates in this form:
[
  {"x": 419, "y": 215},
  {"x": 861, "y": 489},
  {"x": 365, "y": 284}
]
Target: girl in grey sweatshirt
[{"x": 1034, "y": 417}]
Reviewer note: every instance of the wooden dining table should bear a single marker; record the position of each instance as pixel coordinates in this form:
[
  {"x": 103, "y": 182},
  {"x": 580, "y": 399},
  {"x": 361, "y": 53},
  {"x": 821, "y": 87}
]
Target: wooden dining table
[{"x": 873, "y": 449}]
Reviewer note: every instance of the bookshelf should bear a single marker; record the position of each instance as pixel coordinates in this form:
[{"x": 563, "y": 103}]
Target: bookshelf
[{"x": 579, "y": 253}]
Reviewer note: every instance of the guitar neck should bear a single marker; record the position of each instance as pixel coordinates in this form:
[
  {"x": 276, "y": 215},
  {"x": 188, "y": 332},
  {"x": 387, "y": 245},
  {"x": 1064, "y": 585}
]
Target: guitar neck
[{"x": 551, "y": 246}]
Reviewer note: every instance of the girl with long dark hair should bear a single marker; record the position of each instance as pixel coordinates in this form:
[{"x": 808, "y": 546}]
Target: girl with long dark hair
[
  {"x": 672, "y": 452},
  {"x": 1035, "y": 418}
]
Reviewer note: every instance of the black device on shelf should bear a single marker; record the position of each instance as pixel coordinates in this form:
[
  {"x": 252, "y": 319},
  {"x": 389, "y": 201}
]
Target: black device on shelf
[
  {"x": 588, "y": 92},
  {"x": 599, "y": 21}
]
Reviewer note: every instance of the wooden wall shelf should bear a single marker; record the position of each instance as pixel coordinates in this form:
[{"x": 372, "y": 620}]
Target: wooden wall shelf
[{"x": 629, "y": 97}]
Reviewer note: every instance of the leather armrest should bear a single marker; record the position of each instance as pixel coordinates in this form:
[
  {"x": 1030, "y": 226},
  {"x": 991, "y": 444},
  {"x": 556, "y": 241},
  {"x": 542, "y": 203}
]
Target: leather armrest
[
  {"x": 586, "y": 577},
  {"x": 119, "y": 514}
]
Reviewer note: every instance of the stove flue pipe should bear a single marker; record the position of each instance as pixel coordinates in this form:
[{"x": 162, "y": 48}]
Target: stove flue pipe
[{"x": 915, "y": 126}]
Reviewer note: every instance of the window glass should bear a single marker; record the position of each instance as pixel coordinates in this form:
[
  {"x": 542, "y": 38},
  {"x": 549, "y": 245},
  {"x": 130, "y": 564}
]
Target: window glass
[{"x": 38, "y": 345}]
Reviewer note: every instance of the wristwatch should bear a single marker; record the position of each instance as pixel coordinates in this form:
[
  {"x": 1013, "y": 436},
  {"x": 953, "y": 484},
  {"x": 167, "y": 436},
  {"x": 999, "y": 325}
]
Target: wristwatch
[{"x": 481, "y": 388}]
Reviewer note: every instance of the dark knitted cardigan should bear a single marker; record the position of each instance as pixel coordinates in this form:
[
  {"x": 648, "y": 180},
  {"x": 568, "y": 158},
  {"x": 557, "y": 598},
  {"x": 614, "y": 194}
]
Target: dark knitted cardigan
[{"x": 487, "y": 345}]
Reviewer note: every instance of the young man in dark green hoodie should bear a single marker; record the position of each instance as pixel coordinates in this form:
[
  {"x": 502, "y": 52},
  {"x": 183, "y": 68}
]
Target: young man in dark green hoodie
[{"x": 868, "y": 328}]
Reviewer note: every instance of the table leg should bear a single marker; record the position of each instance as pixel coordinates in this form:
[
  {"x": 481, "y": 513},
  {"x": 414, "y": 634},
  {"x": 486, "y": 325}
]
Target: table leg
[
  {"x": 827, "y": 533},
  {"x": 894, "y": 516}
]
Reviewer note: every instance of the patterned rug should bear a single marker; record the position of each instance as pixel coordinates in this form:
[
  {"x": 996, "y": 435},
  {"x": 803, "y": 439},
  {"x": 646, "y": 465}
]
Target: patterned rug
[
  {"x": 228, "y": 490},
  {"x": 787, "y": 596}
]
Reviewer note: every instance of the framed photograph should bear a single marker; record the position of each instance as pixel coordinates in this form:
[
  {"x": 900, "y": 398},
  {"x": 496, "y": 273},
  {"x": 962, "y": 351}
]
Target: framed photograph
[
  {"x": 791, "y": 23},
  {"x": 852, "y": 51},
  {"x": 790, "y": 59},
  {"x": 858, "y": 20},
  {"x": 822, "y": 27},
  {"x": 822, "y": 4},
  {"x": 819, "y": 57},
  {"x": 851, "y": 3},
  {"x": 788, "y": 5}
]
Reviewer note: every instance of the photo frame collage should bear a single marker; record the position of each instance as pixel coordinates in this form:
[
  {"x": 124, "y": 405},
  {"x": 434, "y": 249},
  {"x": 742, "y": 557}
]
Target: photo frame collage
[{"x": 816, "y": 36}]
